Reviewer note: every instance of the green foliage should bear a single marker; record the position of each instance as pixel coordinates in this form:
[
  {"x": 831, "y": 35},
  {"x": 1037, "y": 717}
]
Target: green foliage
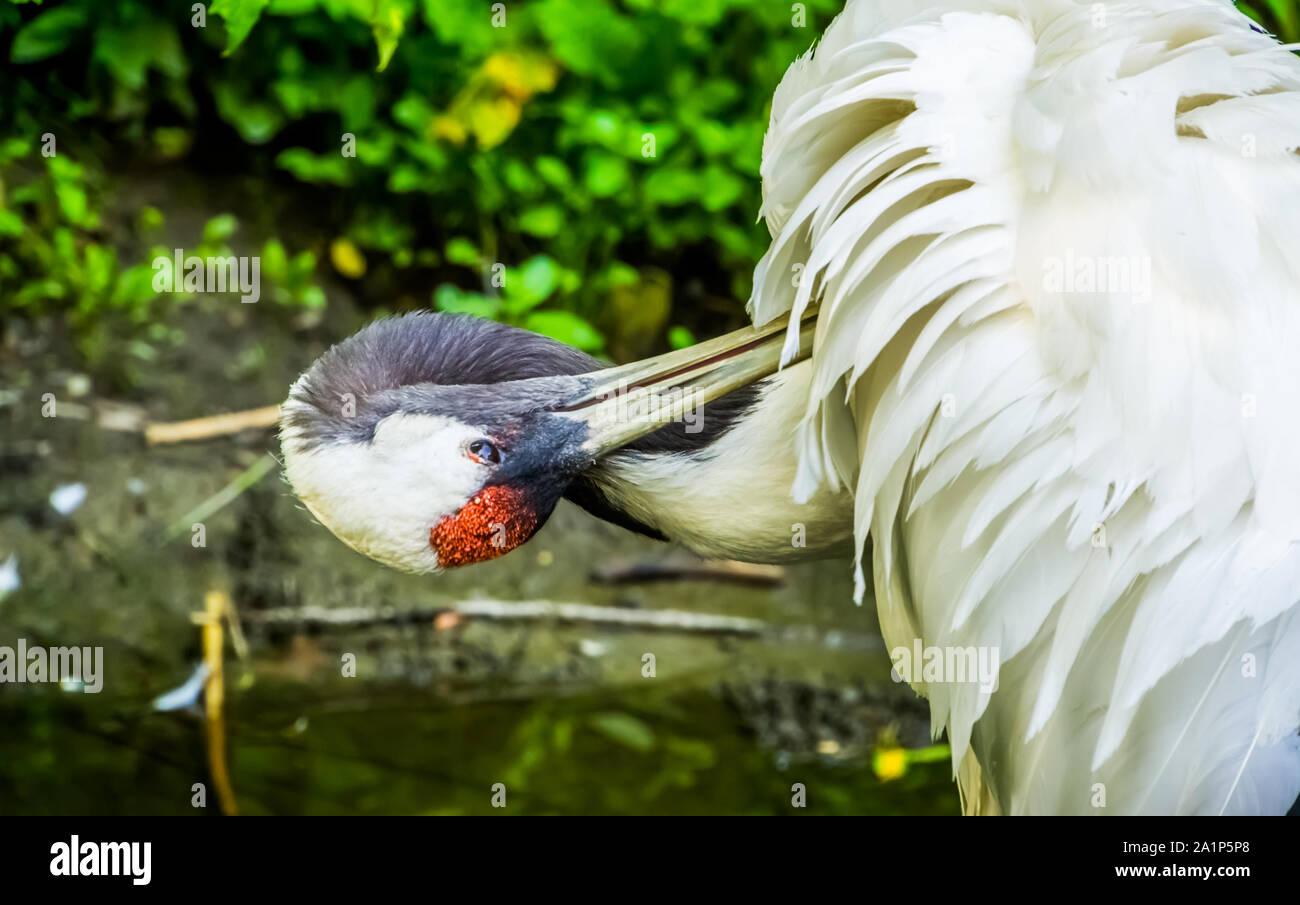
[
  {"x": 55, "y": 253},
  {"x": 240, "y": 17},
  {"x": 1280, "y": 17},
  {"x": 588, "y": 147},
  {"x": 549, "y": 736},
  {"x": 522, "y": 289},
  {"x": 583, "y": 140}
]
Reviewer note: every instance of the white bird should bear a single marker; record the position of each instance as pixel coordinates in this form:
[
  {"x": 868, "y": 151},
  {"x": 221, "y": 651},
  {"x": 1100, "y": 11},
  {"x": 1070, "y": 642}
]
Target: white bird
[{"x": 1036, "y": 264}]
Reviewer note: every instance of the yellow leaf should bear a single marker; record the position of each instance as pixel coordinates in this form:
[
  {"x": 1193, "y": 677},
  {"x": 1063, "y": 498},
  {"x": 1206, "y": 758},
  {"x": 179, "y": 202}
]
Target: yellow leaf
[
  {"x": 540, "y": 73},
  {"x": 347, "y": 259},
  {"x": 889, "y": 763},
  {"x": 520, "y": 76},
  {"x": 635, "y": 315},
  {"x": 388, "y": 25},
  {"x": 505, "y": 69},
  {"x": 449, "y": 128},
  {"x": 493, "y": 121}
]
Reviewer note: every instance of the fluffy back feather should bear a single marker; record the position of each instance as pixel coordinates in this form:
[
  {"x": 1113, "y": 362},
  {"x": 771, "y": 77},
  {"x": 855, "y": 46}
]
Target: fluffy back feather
[{"x": 1053, "y": 246}]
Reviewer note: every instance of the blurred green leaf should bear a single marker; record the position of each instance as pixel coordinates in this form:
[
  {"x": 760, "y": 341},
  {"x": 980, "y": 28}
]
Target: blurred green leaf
[
  {"x": 313, "y": 297},
  {"x": 10, "y": 224},
  {"x": 72, "y": 201},
  {"x": 625, "y": 729},
  {"x": 128, "y": 51},
  {"x": 543, "y": 222},
  {"x": 463, "y": 24},
  {"x": 1287, "y": 14},
  {"x": 589, "y": 36},
  {"x": 100, "y": 267},
  {"x": 388, "y": 23},
  {"x": 537, "y": 279},
  {"x": 721, "y": 188},
  {"x": 256, "y": 121},
  {"x": 220, "y": 228},
  {"x": 49, "y": 33},
  {"x": 149, "y": 219},
  {"x": 275, "y": 261},
  {"x": 553, "y": 170},
  {"x": 672, "y": 186},
  {"x": 462, "y": 251},
  {"x": 414, "y": 112},
  {"x": 240, "y": 17},
  {"x": 606, "y": 175},
  {"x": 567, "y": 327},
  {"x": 172, "y": 141},
  {"x": 454, "y": 300},
  {"x": 331, "y": 169},
  {"x": 680, "y": 337}
]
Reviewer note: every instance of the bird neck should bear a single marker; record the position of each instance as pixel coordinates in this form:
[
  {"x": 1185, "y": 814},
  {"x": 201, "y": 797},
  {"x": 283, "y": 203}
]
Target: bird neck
[{"x": 729, "y": 497}]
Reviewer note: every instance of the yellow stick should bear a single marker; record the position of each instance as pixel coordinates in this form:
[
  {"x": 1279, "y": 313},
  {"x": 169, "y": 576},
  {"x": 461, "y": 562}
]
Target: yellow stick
[
  {"x": 214, "y": 696},
  {"x": 211, "y": 426}
]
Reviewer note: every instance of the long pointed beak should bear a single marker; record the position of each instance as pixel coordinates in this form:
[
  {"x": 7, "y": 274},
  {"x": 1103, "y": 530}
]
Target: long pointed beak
[{"x": 623, "y": 403}]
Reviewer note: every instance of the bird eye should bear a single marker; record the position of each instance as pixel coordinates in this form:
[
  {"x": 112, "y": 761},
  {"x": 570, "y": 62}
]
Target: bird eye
[{"x": 484, "y": 453}]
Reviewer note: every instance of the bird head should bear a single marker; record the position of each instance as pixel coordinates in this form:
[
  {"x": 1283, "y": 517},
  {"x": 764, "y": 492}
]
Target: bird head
[{"x": 431, "y": 441}]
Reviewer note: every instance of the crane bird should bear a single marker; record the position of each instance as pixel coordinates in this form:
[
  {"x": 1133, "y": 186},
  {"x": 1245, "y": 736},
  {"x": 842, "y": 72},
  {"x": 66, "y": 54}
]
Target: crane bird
[{"x": 1028, "y": 322}]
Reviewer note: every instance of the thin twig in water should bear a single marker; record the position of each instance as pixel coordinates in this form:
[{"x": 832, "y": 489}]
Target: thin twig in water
[
  {"x": 223, "y": 497},
  {"x": 545, "y": 610},
  {"x": 728, "y": 571}
]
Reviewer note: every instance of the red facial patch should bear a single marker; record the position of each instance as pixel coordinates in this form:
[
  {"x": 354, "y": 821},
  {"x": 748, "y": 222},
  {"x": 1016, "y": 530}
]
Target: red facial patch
[{"x": 495, "y": 521}]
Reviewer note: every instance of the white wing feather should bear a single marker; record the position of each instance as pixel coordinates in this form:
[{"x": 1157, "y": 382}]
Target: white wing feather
[{"x": 1054, "y": 249}]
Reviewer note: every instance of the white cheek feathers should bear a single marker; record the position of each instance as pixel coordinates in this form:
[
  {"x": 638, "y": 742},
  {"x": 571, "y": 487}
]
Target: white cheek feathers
[{"x": 382, "y": 498}]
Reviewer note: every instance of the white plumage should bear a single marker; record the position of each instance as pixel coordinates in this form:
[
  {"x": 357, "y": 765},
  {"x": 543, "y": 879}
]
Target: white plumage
[
  {"x": 1054, "y": 387},
  {"x": 1056, "y": 249}
]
